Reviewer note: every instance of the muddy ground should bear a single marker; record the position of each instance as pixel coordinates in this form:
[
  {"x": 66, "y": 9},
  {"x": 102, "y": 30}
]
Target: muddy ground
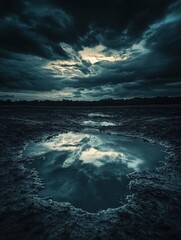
[{"x": 152, "y": 209}]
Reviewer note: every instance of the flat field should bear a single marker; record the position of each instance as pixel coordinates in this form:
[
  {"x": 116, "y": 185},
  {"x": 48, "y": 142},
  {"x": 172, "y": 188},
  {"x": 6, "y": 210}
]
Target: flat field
[{"x": 151, "y": 208}]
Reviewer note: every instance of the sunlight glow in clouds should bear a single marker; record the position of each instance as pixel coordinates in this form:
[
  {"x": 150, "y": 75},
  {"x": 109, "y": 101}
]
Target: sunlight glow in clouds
[
  {"x": 63, "y": 68},
  {"x": 96, "y": 54},
  {"x": 81, "y": 63},
  {"x": 94, "y": 49}
]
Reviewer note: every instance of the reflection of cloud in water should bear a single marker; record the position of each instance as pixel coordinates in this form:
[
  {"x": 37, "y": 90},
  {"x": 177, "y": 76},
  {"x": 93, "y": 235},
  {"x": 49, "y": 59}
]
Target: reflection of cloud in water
[
  {"x": 99, "y": 158},
  {"x": 89, "y": 148},
  {"x": 89, "y": 169},
  {"x": 98, "y": 124},
  {"x": 98, "y": 115}
]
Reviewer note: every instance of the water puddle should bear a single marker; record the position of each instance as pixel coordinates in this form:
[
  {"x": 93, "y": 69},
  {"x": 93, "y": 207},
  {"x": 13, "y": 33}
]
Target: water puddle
[
  {"x": 92, "y": 115},
  {"x": 98, "y": 124},
  {"x": 89, "y": 169}
]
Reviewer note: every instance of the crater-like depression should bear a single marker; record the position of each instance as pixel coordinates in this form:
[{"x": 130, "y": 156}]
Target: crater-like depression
[{"x": 89, "y": 169}]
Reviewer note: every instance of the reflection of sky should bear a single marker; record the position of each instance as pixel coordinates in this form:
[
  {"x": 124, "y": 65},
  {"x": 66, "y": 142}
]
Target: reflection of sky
[
  {"x": 98, "y": 115},
  {"x": 89, "y": 169},
  {"x": 101, "y": 124},
  {"x": 89, "y": 148}
]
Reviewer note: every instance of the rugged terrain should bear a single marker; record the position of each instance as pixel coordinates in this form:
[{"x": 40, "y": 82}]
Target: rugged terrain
[{"x": 152, "y": 209}]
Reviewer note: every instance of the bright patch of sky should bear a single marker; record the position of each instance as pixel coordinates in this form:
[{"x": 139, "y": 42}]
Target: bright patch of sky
[
  {"x": 97, "y": 54},
  {"x": 83, "y": 63}
]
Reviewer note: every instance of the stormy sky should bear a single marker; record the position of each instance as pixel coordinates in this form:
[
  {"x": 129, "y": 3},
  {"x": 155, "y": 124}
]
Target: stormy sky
[{"x": 89, "y": 49}]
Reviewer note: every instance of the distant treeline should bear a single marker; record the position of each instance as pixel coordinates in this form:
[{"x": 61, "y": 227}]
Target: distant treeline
[{"x": 103, "y": 102}]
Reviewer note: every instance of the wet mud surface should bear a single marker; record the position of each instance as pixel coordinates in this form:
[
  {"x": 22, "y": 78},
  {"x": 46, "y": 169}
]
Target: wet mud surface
[{"x": 152, "y": 208}]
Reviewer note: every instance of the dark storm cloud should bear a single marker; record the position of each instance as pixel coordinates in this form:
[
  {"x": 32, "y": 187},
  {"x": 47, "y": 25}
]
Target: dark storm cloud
[
  {"x": 25, "y": 28},
  {"x": 167, "y": 39},
  {"x": 19, "y": 39},
  {"x": 154, "y": 73},
  {"x": 9, "y": 7},
  {"x": 147, "y": 32},
  {"x": 26, "y": 73},
  {"x": 105, "y": 21}
]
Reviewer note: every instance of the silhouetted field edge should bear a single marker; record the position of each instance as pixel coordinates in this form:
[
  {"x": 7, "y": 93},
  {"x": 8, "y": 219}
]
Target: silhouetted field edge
[{"x": 159, "y": 101}]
